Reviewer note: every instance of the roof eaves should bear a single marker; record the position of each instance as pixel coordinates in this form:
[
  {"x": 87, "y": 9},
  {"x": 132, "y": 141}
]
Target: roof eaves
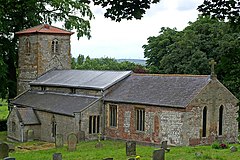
[{"x": 143, "y": 103}]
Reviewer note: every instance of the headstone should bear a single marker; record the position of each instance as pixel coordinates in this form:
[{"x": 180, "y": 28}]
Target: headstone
[
  {"x": 81, "y": 136},
  {"x": 130, "y": 148},
  {"x": 11, "y": 147},
  {"x": 72, "y": 142},
  {"x": 57, "y": 156},
  {"x": 30, "y": 135},
  {"x": 159, "y": 154},
  {"x": 107, "y": 158},
  {"x": 99, "y": 145},
  {"x": 4, "y": 150},
  {"x": 59, "y": 141},
  {"x": 164, "y": 146},
  {"x": 233, "y": 149},
  {"x": 9, "y": 158}
]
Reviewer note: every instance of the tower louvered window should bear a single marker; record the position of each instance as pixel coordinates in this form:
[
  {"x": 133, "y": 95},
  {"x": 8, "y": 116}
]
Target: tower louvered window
[{"x": 55, "y": 46}]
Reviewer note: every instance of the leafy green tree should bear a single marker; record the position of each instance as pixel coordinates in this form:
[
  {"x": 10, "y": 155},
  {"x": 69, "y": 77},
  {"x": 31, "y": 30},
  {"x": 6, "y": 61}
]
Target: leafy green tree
[
  {"x": 190, "y": 50},
  {"x": 22, "y": 14},
  {"x": 107, "y": 64},
  {"x": 125, "y": 9},
  {"x": 222, "y": 9}
]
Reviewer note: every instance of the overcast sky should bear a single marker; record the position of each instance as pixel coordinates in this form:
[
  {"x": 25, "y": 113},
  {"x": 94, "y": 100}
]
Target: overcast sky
[{"x": 125, "y": 39}]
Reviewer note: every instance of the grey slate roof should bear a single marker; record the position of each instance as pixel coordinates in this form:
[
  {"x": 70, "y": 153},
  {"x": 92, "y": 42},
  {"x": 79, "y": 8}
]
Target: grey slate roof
[
  {"x": 89, "y": 79},
  {"x": 27, "y": 116},
  {"x": 58, "y": 103},
  {"x": 160, "y": 90}
]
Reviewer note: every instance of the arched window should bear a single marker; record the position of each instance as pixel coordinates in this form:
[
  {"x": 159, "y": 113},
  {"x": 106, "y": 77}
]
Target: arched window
[
  {"x": 204, "y": 122},
  {"x": 220, "y": 120},
  {"x": 27, "y": 46},
  {"x": 55, "y": 46},
  {"x": 54, "y": 126},
  {"x": 13, "y": 127}
]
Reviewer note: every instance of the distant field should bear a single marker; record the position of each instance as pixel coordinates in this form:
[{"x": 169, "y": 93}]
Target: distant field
[
  {"x": 3, "y": 109},
  {"x": 116, "y": 150}
]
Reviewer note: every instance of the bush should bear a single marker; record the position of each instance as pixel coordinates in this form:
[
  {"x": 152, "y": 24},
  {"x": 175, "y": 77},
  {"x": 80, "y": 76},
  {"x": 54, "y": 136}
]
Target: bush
[{"x": 217, "y": 145}]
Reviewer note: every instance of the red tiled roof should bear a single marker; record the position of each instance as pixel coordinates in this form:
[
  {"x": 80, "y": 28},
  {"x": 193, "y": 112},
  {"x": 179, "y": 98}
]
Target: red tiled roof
[{"x": 44, "y": 28}]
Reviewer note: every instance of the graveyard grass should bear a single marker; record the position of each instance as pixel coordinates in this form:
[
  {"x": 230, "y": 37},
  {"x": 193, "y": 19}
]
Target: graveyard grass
[
  {"x": 3, "y": 109},
  {"x": 116, "y": 150}
]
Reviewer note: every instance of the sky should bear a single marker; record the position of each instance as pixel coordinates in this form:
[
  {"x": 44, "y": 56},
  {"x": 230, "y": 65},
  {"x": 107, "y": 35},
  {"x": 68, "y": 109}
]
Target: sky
[{"x": 124, "y": 40}]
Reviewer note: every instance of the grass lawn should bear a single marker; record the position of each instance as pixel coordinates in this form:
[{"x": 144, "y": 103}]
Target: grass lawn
[
  {"x": 116, "y": 149},
  {"x": 3, "y": 109}
]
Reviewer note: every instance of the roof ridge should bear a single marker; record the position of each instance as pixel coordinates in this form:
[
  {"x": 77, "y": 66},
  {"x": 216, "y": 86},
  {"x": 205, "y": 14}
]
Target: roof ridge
[{"x": 170, "y": 75}]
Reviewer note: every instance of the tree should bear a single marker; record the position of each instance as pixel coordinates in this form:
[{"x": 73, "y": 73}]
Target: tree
[
  {"x": 21, "y": 14},
  {"x": 222, "y": 9},
  {"x": 125, "y": 9},
  {"x": 190, "y": 50},
  {"x": 107, "y": 64}
]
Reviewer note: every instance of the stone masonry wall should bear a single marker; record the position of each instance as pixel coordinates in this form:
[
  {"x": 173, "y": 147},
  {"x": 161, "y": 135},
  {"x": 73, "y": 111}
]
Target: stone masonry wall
[
  {"x": 14, "y": 135},
  {"x": 212, "y": 96},
  {"x": 65, "y": 125},
  {"x": 161, "y": 123},
  {"x": 94, "y": 110},
  {"x": 40, "y": 57}
]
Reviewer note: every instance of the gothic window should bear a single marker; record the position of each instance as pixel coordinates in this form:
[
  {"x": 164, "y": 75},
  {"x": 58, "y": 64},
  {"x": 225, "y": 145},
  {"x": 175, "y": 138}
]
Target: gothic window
[
  {"x": 27, "y": 46},
  {"x": 220, "y": 120},
  {"x": 113, "y": 115},
  {"x": 204, "y": 122},
  {"x": 54, "y": 126},
  {"x": 94, "y": 124},
  {"x": 55, "y": 46},
  {"x": 140, "y": 119}
]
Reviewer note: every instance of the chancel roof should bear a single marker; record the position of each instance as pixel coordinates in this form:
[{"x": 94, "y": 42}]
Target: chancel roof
[
  {"x": 160, "y": 90},
  {"x": 27, "y": 116},
  {"x": 44, "y": 28},
  {"x": 87, "y": 79},
  {"x": 65, "y": 104}
]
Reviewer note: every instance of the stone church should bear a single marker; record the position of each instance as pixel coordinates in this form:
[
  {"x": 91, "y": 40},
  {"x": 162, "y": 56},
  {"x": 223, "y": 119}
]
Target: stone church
[{"x": 147, "y": 108}]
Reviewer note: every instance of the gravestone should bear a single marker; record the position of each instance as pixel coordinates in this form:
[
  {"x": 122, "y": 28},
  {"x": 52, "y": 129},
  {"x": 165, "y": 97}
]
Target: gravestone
[
  {"x": 233, "y": 149},
  {"x": 9, "y": 158},
  {"x": 164, "y": 146},
  {"x": 57, "y": 156},
  {"x": 4, "y": 150},
  {"x": 11, "y": 147},
  {"x": 30, "y": 135},
  {"x": 81, "y": 136},
  {"x": 72, "y": 142},
  {"x": 59, "y": 141},
  {"x": 159, "y": 154},
  {"x": 130, "y": 148}
]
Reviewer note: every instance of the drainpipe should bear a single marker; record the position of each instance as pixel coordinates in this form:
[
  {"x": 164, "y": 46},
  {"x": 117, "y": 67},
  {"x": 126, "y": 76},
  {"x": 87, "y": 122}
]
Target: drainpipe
[{"x": 22, "y": 131}]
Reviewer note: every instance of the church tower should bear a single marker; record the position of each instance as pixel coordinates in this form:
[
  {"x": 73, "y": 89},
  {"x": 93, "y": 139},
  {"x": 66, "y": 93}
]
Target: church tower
[{"x": 41, "y": 48}]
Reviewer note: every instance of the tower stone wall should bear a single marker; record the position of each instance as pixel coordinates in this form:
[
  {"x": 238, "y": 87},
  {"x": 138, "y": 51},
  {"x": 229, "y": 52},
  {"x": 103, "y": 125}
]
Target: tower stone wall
[{"x": 39, "y": 53}]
